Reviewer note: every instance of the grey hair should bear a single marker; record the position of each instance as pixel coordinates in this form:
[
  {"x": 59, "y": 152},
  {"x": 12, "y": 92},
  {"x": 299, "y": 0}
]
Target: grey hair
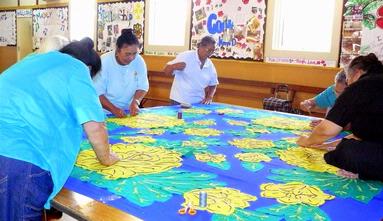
[
  {"x": 340, "y": 77},
  {"x": 205, "y": 41}
]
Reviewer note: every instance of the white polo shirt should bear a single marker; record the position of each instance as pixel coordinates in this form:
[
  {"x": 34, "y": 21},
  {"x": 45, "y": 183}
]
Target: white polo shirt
[
  {"x": 118, "y": 83},
  {"x": 189, "y": 84}
]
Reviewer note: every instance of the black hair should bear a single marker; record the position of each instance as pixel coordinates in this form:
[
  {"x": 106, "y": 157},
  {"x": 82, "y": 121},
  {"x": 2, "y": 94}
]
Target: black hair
[
  {"x": 83, "y": 51},
  {"x": 205, "y": 41},
  {"x": 370, "y": 64},
  {"x": 127, "y": 37}
]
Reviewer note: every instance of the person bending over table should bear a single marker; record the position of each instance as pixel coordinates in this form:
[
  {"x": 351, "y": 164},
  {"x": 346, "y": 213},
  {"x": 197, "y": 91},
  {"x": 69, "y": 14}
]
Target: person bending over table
[
  {"x": 123, "y": 79},
  {"x": 46, "y": 101},
  {"x": 195, "y": 77},
  {"x": 361, "y": 153}
]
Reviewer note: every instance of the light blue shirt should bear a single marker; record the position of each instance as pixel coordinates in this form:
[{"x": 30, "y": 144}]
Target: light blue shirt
[
  {"x": 189, "y": 84},
  {"x": 118, "y": 83},
  {"x": 44, "y": 100},
  {"x": 326, "y": 99}
]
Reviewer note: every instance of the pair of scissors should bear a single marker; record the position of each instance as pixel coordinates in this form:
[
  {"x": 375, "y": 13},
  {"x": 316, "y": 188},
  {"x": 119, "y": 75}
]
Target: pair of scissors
[{"x": 187, "y": 209}]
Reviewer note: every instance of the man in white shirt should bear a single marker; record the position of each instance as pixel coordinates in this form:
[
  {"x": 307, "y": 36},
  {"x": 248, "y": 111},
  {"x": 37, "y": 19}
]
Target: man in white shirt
[
  {"x": 123, "y": 80},
  {"x": 195, "y": 77}
]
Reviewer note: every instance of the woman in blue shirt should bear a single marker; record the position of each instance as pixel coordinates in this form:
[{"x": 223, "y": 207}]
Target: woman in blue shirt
[{"x": 46, "y": 101}]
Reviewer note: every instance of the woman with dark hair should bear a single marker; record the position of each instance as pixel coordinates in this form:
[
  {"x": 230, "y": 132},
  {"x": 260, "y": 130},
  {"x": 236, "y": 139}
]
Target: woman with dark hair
[
  {"x": 46, "y": 101},
  {"x": 361, "y": 153},
  {"x": 195, "y": 77},
  {"x": 123, "y": 81}
]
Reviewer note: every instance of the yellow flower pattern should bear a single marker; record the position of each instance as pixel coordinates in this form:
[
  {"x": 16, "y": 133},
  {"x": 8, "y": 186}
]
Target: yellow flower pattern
[
  {"x": 157, "y": 131},
  {"x": 207, "y": 157},
  {"x": 237, "y": 122},
  {"x": 308, "y": 158},
  {"x": 229, "y": 111},
  {"x": 138, "y": 11},
  {"x": 295, "y": 193},
  {"x": 220, "y": 200},
  {"x": 148, "y": 121},
  {"x": 283, "y": 123},
  {"x": 257, "y": 130},
  {"x": 196, "y": 111},
  {"x": 136, "y": 159},
  {"x": 251, "y": 143},
  {"x": 138, "y": 139},
  {"x": 204, "y": 122},
  {"x": 193, "y": 143},
  {"x": 204, "y": 132},
  {"x": 253, "y": 157}
]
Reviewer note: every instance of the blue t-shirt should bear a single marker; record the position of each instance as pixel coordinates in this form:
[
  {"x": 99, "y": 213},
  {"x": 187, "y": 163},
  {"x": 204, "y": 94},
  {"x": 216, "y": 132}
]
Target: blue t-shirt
[
  {"x": 44, "y": 100},
  {"x": 326, "y": 99},
  {"x": 118, "y": 83}
]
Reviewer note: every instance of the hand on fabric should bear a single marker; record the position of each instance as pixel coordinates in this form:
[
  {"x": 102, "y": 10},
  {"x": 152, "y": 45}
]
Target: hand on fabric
[
  {"x": 207, "y": 100},
  {"x": 179, "y": 66},
  {"x": 314, "y": 123},
  {"x": 120, "y": 113},
  {"x": 113, "y": 158},
  {"x": 307, "y": 105},
  {"x": 302, "y": 141},
  {"x": 134, "y": 108}
]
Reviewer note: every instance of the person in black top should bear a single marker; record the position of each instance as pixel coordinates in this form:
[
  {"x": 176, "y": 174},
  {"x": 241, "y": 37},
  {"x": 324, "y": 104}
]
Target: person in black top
[{"x": 361, "y": 104}]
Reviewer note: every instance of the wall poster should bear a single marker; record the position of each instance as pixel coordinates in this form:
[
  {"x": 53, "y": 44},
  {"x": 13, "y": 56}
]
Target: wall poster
[
  {"x": 362, "y": 29},
  {"x": 8, "y": 28},
  {"x": 237, "y": 25},
  {"x": 113, "y": 17}
]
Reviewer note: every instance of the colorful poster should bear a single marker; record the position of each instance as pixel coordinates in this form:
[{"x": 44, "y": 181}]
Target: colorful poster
[
  {"x": 113, "y": 17},
  {"x": 8, "y": 28},
  {"x": 319, "y": 62},
  {"x": 362, "y": 29},
  {"x": 47, "y": 22},
  {"x": 237, "y": 25}
]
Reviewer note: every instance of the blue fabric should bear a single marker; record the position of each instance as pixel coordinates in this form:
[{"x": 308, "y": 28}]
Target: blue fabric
[
  {"x": 45, "y": 99},
  {"x": 326, "y": 99},
  {"x": 24, "y": 188},
  {"x": 237, "y": 176}
]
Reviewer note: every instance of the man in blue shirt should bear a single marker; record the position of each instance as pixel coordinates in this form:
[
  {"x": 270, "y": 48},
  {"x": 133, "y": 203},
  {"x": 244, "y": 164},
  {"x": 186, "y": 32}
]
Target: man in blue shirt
[{"x": 46, "y": 101}]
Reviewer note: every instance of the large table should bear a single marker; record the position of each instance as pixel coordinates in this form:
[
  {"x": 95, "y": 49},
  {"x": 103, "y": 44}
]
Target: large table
[{"x": 245, "y": 159}]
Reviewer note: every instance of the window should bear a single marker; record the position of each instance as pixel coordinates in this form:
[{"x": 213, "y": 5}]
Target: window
[
  {"x": 307, "y": 29},
  {"x": 84, "y": 11},
  {"x": 167, "y": 26}
]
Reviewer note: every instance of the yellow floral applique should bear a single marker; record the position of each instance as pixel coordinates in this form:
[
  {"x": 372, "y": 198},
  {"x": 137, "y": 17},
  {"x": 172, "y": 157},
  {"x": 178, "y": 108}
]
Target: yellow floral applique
[
  {"x": 251, "y": 143},
  {"x": 237, "y": 122},
  {"x": 138, "y": 139},
  {"x": 253, "y": 157},
  {"x": 284, "y": 123},
  {"x": 295, "y": 193},
  {"x": 194, "y": 143},
  {"x": 157, "y": 131},
  {"x": 204, "y": 122},
  {"x": 292, "y": 140},
  {"x": 204, "y": 132},
  {"x": 229, "y": 111},
  {"x": 145, "y": 120},
  {"x": 257, "y": 130},
  {"x": 308, "y": 158},
  {"x": 220, "y": 200},
  {"x": 207, "y": 157},
  {"x": 136, "y": 159},
  {"x": 196, "y": 111}
]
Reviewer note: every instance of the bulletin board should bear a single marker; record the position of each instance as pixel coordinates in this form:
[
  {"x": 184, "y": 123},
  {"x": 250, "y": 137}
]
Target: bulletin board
[
  {"x": 8, "y": 28},
  {"x": 237, "y": 26},
  {"x": 113, "y": 17},
  {"x": 47, "y": 22},
  {"x": 362, "y": 30}
]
